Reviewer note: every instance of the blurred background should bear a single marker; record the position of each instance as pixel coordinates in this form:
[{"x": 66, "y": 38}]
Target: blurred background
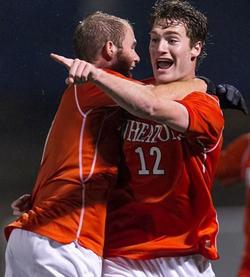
[{"x": 31, "y": 86}]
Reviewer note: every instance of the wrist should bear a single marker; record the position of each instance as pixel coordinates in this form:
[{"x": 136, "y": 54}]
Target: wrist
[{"x": 95, "y": 74}]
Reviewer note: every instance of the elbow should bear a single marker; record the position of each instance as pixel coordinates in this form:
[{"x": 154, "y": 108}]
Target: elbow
[
  {"x": 150, "y": 105},
  {"x": 150, "y": 110},
  {"x": 147, "y": 106}
]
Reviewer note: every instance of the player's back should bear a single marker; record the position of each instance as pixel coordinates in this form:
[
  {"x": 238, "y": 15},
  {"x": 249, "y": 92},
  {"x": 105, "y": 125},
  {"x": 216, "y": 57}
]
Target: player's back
[{"x": 78, "y": 168}]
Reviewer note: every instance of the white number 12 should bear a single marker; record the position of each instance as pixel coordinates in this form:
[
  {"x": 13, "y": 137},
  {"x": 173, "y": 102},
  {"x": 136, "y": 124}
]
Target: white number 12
[{"x": 154, "y": 151}]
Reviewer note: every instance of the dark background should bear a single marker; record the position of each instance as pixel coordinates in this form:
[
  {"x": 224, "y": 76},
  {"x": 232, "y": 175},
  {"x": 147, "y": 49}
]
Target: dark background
[{"x": 31, "y": 84}]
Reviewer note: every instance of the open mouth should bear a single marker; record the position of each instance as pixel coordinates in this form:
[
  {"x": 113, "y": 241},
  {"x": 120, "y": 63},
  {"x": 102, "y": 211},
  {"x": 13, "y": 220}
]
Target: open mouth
[{"x": 164, "y": 63}]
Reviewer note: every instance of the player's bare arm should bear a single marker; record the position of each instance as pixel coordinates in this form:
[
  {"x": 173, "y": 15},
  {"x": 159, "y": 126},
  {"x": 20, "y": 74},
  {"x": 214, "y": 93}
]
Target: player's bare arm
[{"x": 147, "y": 101}]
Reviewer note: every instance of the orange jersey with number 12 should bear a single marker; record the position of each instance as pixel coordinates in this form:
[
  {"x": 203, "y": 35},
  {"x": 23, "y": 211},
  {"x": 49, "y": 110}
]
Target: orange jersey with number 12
[{"x": 162, "y": 204}]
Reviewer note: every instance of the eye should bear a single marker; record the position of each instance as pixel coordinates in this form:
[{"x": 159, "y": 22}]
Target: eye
[
  {"x": 154, "y": 39},
  {"x": 172, "y": 40}
]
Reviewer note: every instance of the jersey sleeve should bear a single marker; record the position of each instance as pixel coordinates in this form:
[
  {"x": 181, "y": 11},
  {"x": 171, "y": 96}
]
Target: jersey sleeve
[{"x": 206, "y": 120}]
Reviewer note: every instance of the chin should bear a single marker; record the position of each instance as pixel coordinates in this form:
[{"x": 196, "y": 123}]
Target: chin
[{"x": 163, "y": 79}]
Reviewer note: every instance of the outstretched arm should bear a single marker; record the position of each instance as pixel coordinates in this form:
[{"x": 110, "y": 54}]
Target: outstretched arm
[{"x": 147, "y": 101}]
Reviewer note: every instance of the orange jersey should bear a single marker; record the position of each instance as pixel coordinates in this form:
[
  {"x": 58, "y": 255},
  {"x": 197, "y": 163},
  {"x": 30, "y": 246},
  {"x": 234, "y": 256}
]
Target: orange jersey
[
  {"x": 162, "y": 204},
  {"x": 234, "y": 160},
  {"x": 78, "y": 168},
  {"x": 232, "y": 168}
]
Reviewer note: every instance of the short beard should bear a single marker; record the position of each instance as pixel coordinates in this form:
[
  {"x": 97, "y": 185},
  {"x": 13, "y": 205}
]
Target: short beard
[{"x": 122, "y": 65}]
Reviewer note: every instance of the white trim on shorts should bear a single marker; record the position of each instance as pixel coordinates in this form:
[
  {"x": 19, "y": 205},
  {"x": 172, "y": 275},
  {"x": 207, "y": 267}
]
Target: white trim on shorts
[
  {"x": 31, "y": 255},
  {"x": 186, "y": 266}
]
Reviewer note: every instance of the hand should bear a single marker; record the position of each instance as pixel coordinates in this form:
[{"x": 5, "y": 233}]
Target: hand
[
  {"x": 79, "y": 70},
  {"x": 21, "y": 204},
  {"x": 231, "y": 98},
  {"x": 210, "y": 85}
]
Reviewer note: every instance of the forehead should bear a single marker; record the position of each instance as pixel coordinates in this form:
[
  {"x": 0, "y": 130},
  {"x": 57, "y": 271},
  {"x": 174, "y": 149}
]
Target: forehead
[
  {"x": 129, "y": 33},
  {"x": 129, "y": 30},
  {"x": 165, "y": 26}
]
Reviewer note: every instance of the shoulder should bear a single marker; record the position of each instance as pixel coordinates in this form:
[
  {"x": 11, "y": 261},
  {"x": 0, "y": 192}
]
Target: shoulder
[
  {"x": 204, "y": 105},
  {"x": 206, "y": 121},
  {"x": 203, "y": 97}
]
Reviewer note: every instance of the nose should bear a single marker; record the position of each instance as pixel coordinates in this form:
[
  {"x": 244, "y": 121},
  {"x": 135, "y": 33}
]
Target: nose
[
  {"x": 137, "y": 58},
  {"x": 162, "y": 46}
]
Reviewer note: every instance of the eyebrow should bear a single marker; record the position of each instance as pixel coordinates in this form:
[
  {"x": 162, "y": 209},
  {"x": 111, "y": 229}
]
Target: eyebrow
[{"x": 167, "y": 32}]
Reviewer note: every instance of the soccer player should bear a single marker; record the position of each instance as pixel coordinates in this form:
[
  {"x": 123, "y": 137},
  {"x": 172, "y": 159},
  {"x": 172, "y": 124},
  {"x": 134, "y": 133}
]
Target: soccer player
[
  {"x": 234, "y": 167},
  {"x": 62, "y": 234},
  {"x": 161, "y": 220}
]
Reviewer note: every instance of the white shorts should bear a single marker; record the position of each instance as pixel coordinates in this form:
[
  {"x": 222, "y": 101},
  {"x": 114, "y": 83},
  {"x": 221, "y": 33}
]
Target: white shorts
[
  {"x": 187, "y": 266},
  {"x": 31, "y": 255}
]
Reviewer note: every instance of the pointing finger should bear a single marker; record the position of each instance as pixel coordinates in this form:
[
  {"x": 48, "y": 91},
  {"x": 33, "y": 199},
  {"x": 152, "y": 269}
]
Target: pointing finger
[{"x": 62, "y": 60}]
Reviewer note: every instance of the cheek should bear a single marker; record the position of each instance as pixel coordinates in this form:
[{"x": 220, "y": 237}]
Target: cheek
[
  {"x": 126, "y": 59},
  {"x": 126, "y": 62},
  {"x": 129, "y": 57},
  {"x": 183, "y": 55},
  {"x": 152, "y": 55},
  {"x": 151, "y": 51}
]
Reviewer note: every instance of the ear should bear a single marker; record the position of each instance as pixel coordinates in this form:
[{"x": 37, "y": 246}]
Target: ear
[
  {"x": 196, "y": 50},
  {"x": 109, "y": 50}
]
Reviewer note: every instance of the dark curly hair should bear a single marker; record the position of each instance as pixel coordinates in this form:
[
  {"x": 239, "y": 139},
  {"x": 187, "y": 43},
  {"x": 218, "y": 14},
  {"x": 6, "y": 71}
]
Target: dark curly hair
[{"x": 178, "y": 11}]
